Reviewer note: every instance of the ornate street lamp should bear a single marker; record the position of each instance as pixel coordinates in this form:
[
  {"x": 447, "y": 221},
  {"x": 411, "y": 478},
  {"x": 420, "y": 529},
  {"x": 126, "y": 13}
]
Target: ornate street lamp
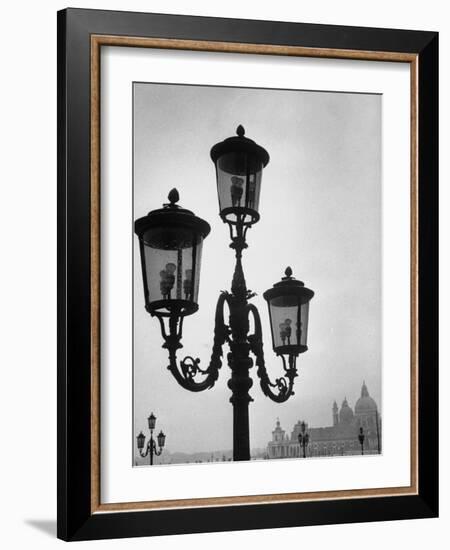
[
  {"x": 303, "y": 438},
  {"x": 170, "y": 243},
  {"x": 361, "y": 438},
  {"x": 151, "y": 448}
]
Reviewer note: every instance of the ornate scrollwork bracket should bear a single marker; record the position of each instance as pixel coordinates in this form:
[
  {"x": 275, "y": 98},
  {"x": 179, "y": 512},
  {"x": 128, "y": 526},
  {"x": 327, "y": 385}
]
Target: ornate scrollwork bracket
[
  {"x": 189, "y": 369},
  {"x": 151, "y": 448},
  {"x": 284, "y": 384}
]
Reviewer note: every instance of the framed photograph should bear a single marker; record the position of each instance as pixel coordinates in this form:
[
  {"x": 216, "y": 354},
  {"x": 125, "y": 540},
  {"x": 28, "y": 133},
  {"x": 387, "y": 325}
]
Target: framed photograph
[{"x": 247, "y": 277}]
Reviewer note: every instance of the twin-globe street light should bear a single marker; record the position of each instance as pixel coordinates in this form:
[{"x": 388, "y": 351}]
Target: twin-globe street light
[{"x": 171, "y": 241}]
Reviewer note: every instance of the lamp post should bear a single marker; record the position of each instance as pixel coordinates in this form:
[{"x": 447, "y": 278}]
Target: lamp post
[
  {"x": 361, "y": 438},
  {"x": 378, "y": 431},
  {"x": 303, "y": 438},
  {"x": 151, "y": 448},
  {"x": 171, "y": 241}
]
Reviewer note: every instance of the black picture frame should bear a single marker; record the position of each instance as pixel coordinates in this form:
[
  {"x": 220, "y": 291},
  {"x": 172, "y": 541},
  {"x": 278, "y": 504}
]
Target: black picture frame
[{"x": 76, "y": 519}]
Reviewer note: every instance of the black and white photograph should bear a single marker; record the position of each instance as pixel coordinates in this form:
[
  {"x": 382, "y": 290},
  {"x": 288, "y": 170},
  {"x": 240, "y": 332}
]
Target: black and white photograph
[{"x": 257, "y": 274}]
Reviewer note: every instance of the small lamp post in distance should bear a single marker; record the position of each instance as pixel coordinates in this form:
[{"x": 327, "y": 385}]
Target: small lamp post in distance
[
  {"x": 151, "y": 448},
  {"x": 303, "y": 438},
  {"x": 361, "y": 438}
]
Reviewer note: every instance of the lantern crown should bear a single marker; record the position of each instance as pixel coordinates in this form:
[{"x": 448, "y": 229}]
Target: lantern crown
[
  {"x": 240, "y": 144},
  {"x": 289, "y": 284},
  {"x": 173, "y": 197},
  {"x": 171, "y": 213}
]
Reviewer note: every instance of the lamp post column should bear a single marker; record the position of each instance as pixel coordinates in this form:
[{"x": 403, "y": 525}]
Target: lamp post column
[
  {"x": 378, "y": 431},
  {"x": 361, "y": 438},
  {"x": 240, "y": 383},
  {"x": 303, "y": 438},
  {"x": 151, "y": 445},
  {"x": 240, "y": 362}
]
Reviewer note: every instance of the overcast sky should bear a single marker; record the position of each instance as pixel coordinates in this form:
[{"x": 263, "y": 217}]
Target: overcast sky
[{"x": 320, "y": 214}]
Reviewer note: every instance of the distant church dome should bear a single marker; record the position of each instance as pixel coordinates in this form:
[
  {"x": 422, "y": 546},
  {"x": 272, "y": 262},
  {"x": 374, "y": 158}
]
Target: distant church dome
[
  {"x": 365, "y": 403},
  {"x": 346, "y": 413}
]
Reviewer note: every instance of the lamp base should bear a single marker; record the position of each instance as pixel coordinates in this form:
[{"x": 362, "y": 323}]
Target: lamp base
[
  {"x": 239, "y": 215},
  {"x": 168, "y": 308}
]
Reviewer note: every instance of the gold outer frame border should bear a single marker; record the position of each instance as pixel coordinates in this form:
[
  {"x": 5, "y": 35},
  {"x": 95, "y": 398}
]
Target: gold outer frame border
[{"x": 97, "y": 41}]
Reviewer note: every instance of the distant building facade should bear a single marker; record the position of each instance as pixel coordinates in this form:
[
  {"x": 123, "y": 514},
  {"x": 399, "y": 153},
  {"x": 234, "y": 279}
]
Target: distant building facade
[{"x": 341, "y": 438}]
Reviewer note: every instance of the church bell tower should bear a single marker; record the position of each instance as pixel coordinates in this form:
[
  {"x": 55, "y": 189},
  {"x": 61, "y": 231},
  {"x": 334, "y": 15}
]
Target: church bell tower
[{"x": 335, "y": 414}]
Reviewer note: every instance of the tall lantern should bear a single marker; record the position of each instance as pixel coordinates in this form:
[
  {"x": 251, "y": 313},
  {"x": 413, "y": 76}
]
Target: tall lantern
[
  {"x": 288, "y": 303},
  {"x": 140, "y": 441},
  {"x": 151, "y": 422},
  {"x": 161, "y": 439},
  {"x": 171, "y": 241},
  {"x": 239, "y": 164}
]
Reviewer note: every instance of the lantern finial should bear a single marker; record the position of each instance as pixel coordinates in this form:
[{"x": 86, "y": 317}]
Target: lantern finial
[
  {"x": 288, "y": 272},
  {"x": 173, "y": 196},
  {"x": 240, "y": 131}
]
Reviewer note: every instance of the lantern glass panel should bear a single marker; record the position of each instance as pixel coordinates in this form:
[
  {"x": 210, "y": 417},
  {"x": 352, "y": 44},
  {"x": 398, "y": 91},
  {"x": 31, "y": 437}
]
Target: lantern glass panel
[
  {"x": 140, "y": 440},
  {"x": 289, "y": 321},
  {"x": 239, "y": 181},
  {"x": 161, "y": 439},
  {"x": 151, "y": 422},
  {"x": 304, "y": 316},
  {"x": 172, "y": 263}
]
